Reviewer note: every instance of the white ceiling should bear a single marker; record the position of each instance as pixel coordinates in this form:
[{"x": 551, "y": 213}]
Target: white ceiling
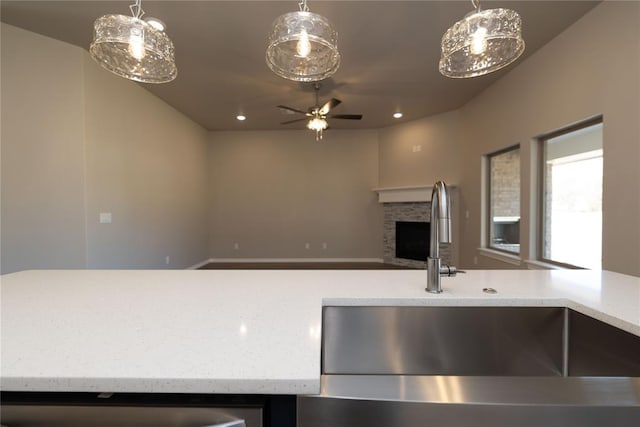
[{"x": 389, "y": 49}]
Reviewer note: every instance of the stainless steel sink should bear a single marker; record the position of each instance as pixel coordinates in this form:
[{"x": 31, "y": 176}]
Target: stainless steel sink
[
  {"x": 476, "y": 366},
  {"x": 496, "y": 341}
]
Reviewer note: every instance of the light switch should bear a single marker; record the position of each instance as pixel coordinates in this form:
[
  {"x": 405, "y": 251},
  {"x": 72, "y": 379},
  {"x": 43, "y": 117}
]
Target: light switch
[{"x": 105, "y": 217}]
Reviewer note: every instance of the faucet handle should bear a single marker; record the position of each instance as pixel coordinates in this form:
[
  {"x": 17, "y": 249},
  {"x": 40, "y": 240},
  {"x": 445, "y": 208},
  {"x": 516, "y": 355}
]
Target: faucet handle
[{"x": 448, "y": 270}]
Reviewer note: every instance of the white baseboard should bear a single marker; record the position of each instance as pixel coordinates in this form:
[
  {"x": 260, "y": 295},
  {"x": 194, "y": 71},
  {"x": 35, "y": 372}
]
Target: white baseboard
[{"x": 257, "y": 260}]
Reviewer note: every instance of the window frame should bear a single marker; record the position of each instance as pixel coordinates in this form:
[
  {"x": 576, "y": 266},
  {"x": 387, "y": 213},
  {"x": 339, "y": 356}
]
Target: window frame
[
  {"x": 488, "y": 223},
  {"x": 541, "y": 184}
]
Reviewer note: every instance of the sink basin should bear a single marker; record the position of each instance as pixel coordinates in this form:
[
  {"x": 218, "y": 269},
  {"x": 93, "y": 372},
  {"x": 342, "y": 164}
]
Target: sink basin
[
  {"x": 475, "y": 341},
  {"x": 475, "y": 366}
]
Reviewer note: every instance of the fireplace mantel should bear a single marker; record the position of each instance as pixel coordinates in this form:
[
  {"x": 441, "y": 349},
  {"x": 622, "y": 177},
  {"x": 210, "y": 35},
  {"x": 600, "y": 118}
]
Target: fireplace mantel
[{"x": 403, "y": 194}]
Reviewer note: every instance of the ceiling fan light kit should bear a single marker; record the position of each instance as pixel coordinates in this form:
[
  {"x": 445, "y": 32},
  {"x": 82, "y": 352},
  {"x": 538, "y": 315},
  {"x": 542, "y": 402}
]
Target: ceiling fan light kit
[
  {"x": 133, "y": 48},
  {"x": 303, "y": 46},
  {"x": 317, "y": 115},
  {"x": 482, "y": 42},
  {"x": 317, "y": 124}
]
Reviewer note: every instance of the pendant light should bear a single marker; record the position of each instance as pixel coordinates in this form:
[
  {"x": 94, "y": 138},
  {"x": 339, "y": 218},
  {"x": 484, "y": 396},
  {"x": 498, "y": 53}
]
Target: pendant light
[
  {"x": 482, "y": 42},
  {"x": 303, "y": 46},
  {"x": 134, "y": 48}
]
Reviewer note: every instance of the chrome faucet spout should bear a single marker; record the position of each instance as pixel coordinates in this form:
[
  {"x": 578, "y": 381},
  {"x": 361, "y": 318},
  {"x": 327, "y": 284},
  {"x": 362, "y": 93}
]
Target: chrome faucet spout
[{"x": 440, "y": 233}]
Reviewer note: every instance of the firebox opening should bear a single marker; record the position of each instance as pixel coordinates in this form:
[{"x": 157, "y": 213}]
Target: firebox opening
[{"x": 412, "y": 240}]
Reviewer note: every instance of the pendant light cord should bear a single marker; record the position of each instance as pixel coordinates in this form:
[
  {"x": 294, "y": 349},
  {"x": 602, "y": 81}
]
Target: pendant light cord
[
  {"x": 476, "y": 5},
  {"x": 303, "y": 6},
  {"x": 136, "y": 9}
]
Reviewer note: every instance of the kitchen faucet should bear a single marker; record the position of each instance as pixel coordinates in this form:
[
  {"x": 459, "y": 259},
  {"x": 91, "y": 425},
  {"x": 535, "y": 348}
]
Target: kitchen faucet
[{"x": 440, "y": 233}]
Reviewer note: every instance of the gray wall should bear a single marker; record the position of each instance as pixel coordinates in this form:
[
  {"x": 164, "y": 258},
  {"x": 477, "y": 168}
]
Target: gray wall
[
  {"x": 146, "y": 164},
  {"x": 422, "y": 151},
  {"x": 77, "y": 141},
  {"x": 590, "y": 69},
  {"x": 42, "y": 153},
  {"x": 273, "y": 192}
]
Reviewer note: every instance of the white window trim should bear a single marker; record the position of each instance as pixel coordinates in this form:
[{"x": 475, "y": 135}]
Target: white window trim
[
  {"x": 534, "y": 264},
  {"x": 501, "y": 256}
]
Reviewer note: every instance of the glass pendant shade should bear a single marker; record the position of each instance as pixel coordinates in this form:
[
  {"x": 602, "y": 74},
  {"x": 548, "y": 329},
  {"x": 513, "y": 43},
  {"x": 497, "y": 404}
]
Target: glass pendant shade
[
  {"x": 133, "y": 49},
  {"x": 317, "y": 124},
  {"x": 482, "y": 42},
  {"x": 303, "y": 47}
]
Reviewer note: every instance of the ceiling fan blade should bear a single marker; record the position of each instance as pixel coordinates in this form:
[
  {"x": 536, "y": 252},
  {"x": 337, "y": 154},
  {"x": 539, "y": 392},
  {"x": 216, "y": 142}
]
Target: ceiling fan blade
[
  {"x": 346, "y": 116},
  {"x": 332, "y": 103},
  {"x": 293, "y": 121},
  {"x": 284, "y": 107}
]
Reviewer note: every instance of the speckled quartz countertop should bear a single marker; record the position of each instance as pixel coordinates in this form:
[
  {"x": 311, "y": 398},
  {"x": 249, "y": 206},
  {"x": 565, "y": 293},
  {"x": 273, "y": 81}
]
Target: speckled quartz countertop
[{"x": 255, "y": 331}]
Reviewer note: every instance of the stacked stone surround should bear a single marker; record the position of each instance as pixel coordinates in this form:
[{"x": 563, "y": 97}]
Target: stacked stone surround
[{"x": 407, "y": 211}]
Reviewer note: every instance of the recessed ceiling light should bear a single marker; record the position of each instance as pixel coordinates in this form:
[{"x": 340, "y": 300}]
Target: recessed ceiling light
[
  {"x": 241, "y": 117},
  {"x": 397, "y": 115}
]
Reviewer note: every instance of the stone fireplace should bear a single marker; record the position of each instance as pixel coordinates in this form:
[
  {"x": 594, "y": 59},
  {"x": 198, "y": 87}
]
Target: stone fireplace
[{"x": 410, "y": 204}]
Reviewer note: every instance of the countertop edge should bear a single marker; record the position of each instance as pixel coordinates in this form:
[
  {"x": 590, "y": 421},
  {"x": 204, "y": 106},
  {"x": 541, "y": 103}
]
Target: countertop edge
[{"x": 308, "y": 386}]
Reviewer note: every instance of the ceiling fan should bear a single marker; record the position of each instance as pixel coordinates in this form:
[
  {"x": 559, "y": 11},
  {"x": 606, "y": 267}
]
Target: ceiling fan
[{"x": 318, "y": 114}]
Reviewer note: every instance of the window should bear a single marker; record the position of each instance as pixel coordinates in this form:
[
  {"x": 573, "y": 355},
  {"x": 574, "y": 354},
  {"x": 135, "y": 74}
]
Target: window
[
  {"x": 571, "y": 197},
  {"x": 504, "y": 200}
]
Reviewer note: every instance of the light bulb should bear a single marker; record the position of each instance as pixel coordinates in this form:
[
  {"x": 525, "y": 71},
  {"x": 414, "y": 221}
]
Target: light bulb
[
  {"x": 479, "y": 41},
  {"x": 136, "y": 43},
  {"x": 317, "y": 124},
  {"x": 303, "y": 47}
]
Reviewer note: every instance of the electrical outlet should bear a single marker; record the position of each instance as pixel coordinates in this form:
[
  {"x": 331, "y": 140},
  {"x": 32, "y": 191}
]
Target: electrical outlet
[
  {"x": 167, "y": 259},
  {"x": 466, "y": 214},
  {"x": 307, "y": 245},
  {"x": 236, "y": 246},
  {"x": 324, "y": 245},
  {"x": 105, "y": 217},
  {"x": 475, "y": 260}
]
